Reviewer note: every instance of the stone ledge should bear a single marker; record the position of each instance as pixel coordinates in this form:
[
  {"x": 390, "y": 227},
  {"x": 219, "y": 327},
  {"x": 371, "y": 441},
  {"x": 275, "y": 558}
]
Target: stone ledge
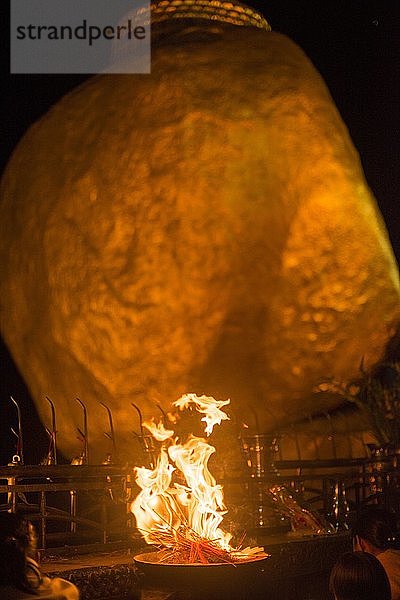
[{"x": 297, "y": 570}]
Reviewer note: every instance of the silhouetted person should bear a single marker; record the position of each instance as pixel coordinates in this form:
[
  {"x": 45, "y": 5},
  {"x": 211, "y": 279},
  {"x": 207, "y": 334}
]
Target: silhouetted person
[
  {"x": 359, "y": 576},
  {"x": 20, "y": 576},
  {"x": 373, "y": 532}
]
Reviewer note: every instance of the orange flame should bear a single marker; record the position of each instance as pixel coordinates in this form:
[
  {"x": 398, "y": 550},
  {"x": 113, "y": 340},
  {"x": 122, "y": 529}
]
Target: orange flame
[
  {"x": 158, "y": 431},
  {"x": 206, "y": 405},
  {"x": 196, "y": 504}
]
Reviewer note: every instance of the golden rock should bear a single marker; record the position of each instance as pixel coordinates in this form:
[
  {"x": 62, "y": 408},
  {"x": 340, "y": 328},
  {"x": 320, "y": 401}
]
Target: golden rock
[{"x": 206, "y": 228}]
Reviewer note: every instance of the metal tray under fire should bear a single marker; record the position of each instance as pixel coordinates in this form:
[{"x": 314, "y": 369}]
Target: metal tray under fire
[{"x": 206, "y": 581}]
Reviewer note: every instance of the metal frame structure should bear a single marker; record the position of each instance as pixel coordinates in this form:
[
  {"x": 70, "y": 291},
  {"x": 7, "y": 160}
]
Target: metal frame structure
[
  {"x": 72, "y": 504},
  {"x": 102, "y": 494}
]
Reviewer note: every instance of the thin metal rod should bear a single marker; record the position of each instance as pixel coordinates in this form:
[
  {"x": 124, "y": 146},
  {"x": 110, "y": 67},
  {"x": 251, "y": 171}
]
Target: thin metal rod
[
  {"x": 20, "y": 443},
  {"x": 53, "y": 430},
  {"x": 84, "y": 433},
  {"x": 145, "y": 439},
  {"x": 72, "y": 510},
  {"x": 164, "y": 414},
  {"x": 111, "y": 434},
  {"x": 142, "y": 433}
]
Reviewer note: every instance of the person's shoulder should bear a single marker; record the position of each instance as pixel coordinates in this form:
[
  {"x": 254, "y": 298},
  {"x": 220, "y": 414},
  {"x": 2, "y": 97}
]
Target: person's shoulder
[
  {"x": 57, "y": 589},
  {"x": 390, "y": 554},
  {"x": 390, "y": 560}
]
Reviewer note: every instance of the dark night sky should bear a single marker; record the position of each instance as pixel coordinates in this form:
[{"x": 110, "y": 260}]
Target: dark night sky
[{"x": 355, "y": 45}]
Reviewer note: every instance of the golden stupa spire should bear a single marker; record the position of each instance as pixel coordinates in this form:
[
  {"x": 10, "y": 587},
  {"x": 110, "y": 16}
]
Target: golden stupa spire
[{"x": 235, "y": 13}]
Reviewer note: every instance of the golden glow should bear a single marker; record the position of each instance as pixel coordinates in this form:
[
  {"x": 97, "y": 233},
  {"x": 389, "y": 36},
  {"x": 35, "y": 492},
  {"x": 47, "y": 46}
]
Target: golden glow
[{"x": 187, "y": 230}]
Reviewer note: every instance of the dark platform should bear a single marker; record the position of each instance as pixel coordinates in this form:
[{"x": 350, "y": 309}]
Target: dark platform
[{"x": 298, "y": 569}]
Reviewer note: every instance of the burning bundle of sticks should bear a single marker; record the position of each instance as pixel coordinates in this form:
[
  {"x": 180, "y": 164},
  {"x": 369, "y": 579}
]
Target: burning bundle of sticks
[
  {"x": 182, "y": 515},
  {"x": 187, "y": 547}
]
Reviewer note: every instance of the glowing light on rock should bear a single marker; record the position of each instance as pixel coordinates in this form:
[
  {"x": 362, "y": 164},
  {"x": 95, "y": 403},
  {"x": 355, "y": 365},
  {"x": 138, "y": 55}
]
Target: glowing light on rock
[{"x": 184, "y": 230}]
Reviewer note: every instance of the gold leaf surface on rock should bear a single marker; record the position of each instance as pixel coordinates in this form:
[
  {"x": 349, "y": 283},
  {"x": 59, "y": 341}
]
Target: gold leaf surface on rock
[{"x": 206, "y": 228}]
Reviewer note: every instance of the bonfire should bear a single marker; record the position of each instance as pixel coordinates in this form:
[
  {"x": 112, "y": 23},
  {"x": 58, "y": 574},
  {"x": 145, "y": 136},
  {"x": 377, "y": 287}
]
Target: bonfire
[{"x": 180, "y": 507}]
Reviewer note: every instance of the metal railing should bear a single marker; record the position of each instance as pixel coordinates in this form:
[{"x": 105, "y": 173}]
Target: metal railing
[
  {"x": 70, "y": 504},
  {"x": 76, "y": 505}
]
